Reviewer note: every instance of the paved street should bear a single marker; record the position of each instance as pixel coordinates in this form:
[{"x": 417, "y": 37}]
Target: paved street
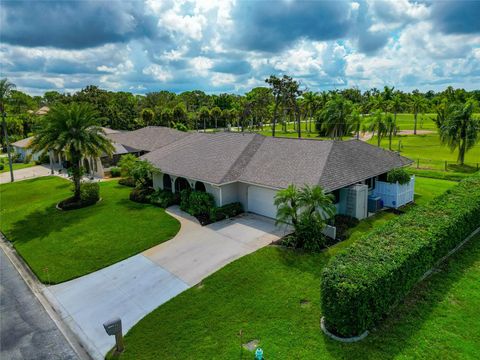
[
  {"x": 27, "y": 173},
  {"x": 26, "y": 330}
]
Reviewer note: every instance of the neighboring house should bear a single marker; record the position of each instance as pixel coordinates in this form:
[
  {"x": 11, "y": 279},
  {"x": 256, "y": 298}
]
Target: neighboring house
[
  {"x": 20, "y": 148},
  {"x": 137, "y": 142},
  {"x": 251, "y": 168}
]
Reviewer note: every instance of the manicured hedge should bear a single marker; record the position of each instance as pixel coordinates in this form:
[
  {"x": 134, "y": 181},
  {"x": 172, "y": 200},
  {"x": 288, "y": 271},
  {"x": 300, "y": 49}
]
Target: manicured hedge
[{"x": 363, "y": 284}]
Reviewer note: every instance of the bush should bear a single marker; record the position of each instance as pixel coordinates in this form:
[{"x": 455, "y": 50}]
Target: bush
[
  {"x": 43, "y": 159},
  {"x": 200, "y": 203},
  {"x": 308, "y": 234},
  {"x": 115, "y": 172},
  {"x": 28, "y": 159},
  {"x": 399, "y": 175},
  {"x": 164, "y": 199},
  {"x": 363, "y": 284},
  {"x": 89, "y": 195},
  {"x": 343, "y": 223},
  {"x": 141, "y": 195},
  {"x": 2, "y": 166},
  {"x": 226, "y": 211},
  {"x": 184, "y": 199},
  {"x": 128, "y": 181}
]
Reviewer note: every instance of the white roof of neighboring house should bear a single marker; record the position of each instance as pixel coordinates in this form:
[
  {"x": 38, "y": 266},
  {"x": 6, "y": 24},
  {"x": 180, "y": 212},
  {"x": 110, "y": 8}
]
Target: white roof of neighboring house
[
  {"x": 23, "y": 143},
  {"x": 42, "y": 111}
]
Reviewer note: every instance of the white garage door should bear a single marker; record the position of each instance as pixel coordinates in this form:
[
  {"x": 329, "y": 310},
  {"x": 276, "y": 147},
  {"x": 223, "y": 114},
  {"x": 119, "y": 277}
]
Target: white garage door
[{"x": 260, "y": 201}]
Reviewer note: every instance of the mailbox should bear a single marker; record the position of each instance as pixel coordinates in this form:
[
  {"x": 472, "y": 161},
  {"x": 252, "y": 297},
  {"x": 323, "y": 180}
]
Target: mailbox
[{"x": 113, "y": 327}]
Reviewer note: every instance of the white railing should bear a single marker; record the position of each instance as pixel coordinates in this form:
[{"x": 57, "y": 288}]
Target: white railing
[{"x": 395, "y": 195}]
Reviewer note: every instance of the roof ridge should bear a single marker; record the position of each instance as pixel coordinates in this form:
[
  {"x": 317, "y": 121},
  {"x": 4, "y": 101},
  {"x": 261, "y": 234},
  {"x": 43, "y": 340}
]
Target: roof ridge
[{"x": 244, "y": 158}]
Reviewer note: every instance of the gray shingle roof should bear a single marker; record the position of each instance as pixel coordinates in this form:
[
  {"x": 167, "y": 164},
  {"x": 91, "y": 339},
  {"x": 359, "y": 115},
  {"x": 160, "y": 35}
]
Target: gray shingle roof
[
  {"x": 148, "y": 138},
  {"x": 273, "y": 162},
  {"x": 24, "y": 143}
]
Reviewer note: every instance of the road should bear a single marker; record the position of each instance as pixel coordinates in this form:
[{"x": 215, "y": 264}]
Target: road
[{"x": 26, "y": 330}]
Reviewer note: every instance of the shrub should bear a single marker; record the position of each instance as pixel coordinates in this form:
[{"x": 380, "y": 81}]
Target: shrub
[
  {"x": 184, "y": 197},
  {"x": 363, "y": 284},
  {"x": 115, "y": 172},
  {"x": 399, "y": 175},
  {"x": 89, "y": 195},
  {"x": 343, "y": 223},
  {"x": 141, "y": 195},
  {"x": 128, "y": 181},
  {"x": 164, "y": 199},
  {"x": 142, "y": 172},
  {"x": 126, "y": 164},
  {"x": 44, "y": 158},
  {"x": 2, "y": 166},
  {"x": 226, "y": 211},
  {"x": 28, "y": 159},
  {"x": 200, "y": 203},
  {"x": 308, "y": 233}
]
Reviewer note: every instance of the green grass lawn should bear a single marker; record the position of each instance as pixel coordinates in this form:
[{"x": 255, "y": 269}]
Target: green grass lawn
[
  {"x": 74, "y": 243},
  {"x": 273, "y": 295},
  {"x": 16, "y": 166}
]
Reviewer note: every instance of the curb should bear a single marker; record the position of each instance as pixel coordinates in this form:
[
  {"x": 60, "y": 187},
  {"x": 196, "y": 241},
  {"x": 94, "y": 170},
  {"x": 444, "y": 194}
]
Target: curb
[
  {"x": 341, "y": 339},
  {"x": 37, "y": 289}
]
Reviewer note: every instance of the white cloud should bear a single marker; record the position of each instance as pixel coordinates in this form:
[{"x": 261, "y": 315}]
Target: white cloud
[{"x": 158, "y": 72}]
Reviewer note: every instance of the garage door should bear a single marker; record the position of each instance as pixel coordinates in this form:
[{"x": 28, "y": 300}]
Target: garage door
[{"x": 260, "y": 201}]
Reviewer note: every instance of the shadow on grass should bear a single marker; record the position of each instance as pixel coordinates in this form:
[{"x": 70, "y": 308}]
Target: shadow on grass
[
  {"x": 469, "y": 169},
  {"x": 42, "y": 222},
  {"x": 396, "y": 330}
]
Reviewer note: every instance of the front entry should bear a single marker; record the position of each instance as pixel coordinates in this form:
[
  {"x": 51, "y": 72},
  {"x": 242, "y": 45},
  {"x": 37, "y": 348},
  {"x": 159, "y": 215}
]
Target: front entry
[{"x": 181, "y": 184}]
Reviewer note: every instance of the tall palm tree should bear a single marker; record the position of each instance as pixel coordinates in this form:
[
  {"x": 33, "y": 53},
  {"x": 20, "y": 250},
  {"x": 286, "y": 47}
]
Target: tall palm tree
[
  {"x": 310, "y": 100},
  {"x": 335, "y": 117},
  {"x": 377, "y": 124},
  {"x": 396, "y": 105},
  {"x": 74, "y": 129},
  {"x": 418, "y": 104},
  {"x": 390, "y": 128},
  {"x": 458, "y": 128},
  {"x": 6, "y": 88},
  {"x": 355, "y": 120}
]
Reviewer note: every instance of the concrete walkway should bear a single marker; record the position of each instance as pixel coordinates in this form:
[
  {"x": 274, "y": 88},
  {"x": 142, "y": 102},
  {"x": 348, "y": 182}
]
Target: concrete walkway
[
  {"x": 27, "y": 173},
  {"x": 136, "y": 286}
]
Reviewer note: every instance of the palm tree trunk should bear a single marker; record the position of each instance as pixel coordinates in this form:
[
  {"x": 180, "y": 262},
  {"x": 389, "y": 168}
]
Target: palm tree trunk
[
  {"x": 378, "y": 139},
  {"x": 414, "y": 123},
  {"x": 390, "y": 140},
  {"x": 395, "y": 123},
  {"x": 275, "y": 110}
]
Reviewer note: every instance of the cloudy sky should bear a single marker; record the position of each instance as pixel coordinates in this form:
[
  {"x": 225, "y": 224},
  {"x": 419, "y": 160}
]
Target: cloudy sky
[{"x": 233, "y": 45}]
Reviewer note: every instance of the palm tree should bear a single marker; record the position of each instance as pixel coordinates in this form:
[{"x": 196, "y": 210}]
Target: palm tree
[
  {"x": 335, "y": 116},
  {"x": 310, "y": 100},
  {"x": 390, "y": 128},
  {"x": 396, "y": 105},
  {"x": 315, "y": 203},
  {"x": 377, "y": 123},
  {"x": 6, "y": 88},
  {"x": 458, "y": 128},
  {"x": 74, "y": 129},
  {"x": 286, "y": 201},
  {"x": 418, "y": 104},
  {"x": 355, "y": 120}
]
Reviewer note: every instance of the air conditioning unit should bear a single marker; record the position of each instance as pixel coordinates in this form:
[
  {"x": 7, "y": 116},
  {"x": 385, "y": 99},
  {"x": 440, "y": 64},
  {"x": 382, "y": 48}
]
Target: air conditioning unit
[{"x": 375, "y": 204}]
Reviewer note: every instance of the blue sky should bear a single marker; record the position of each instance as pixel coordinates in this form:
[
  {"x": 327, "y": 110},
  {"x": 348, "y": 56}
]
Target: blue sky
[{"x": 232, "y": 46}]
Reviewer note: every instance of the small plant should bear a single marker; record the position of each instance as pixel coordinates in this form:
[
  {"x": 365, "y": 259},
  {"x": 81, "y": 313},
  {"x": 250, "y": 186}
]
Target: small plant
[
  {"x": 142, "y": 172},
  {"x": 226, "y": 211},
  {"x": 126, "y": 164},
  {"x": 308, "y": 233},
  {"x": 128, "y": 181},
  {"x": 89, "y": 195},
  {"x": 115, "y": 172},
  {"x": 200, "y": 203},
  {"x": 398, "y": 175},
  {"x": 141, "y": 195}
]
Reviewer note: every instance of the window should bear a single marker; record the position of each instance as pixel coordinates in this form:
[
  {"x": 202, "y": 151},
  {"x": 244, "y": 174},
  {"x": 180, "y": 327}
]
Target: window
[
  {"x": 167, "y": 182},
  {"x": 370, "y": 183}
]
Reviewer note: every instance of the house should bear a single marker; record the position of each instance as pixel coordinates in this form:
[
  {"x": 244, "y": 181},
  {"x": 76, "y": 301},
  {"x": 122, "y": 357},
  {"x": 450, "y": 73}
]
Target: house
[
  {"x": 251, "y": 168},
  {"x": 137, "y": 142},
  {"x": 20, "y": 148}
]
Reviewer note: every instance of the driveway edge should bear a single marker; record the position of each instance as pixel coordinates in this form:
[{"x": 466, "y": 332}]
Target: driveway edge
[{"x": 36, "y": 287}]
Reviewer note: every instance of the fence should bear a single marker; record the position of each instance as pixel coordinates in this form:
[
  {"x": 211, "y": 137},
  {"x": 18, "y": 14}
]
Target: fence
[
  {"x": 445, "y": 165},
  {"x": 395, "y": 195}
]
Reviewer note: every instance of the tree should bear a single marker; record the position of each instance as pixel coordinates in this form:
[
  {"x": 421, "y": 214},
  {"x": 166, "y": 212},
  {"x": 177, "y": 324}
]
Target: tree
[
  {"x": 355, "y": 120},
  {"x": 334, "y": 117},
  {"x": 390, "y": 128},
  {"x": 458, "y": 128},
  {"x": 6, "y": 88},
  {"x": 74, "y": 129},
  {"x": 417, "y": 104},
  {"x": 377, "y": 124},
  {"x": 311, "y": 103},
  {"x": 216, "y": 113},
  {"x": 142, "y": 173},
  {"x": 204, "y": 116},
  {"x": 277, "y": 86},
  {"x": 147, "y": 116},
  {"x": 287, "y": 203},
  {"x": 396, "y": 105},
  {"x": 180, "y": 115},
  {"x": 126, "y": 164}
]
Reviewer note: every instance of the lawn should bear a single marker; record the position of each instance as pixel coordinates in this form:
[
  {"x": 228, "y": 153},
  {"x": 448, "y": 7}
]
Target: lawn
[
  {"x": 62, "y": 245},
  {"x": 16, "y": 166},
  {"x": 273, "y": 295}
]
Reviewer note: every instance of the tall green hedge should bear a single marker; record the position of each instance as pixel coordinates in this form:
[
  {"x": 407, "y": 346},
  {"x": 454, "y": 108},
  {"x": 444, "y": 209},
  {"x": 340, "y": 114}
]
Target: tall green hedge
[{"x": 363, "y": 284}]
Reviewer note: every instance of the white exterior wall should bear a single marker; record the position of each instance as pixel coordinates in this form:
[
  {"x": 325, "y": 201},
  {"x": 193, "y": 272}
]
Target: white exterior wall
[
  {"x": 242, "y": 193},
  {"x": 229, "y": 193},
  {"x": 23, "y": 153},
  {"x": 157, "y": 181}
]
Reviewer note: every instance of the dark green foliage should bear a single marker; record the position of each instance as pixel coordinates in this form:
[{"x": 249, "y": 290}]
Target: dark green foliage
[
  {"x": 128, "y": 181},
  {"x": 2, "y": 166},
  {"x": 141, "y": 195},
  {"x": 363, "y": 284},
  {"x": 226, "y": 211},
  {"x": 164, "y": 198},
  {"x": 115, "y": 172},
  {"x": 89, "y": 195},
  {"x": 308, "y": 234},
  {"x": 343, "y": 223},
  {"x": 43, "y": 159},
  {"x": 200, "y": 203},
  {"x": 184, "y": 198},
  {"x": 399, "y": 175}
]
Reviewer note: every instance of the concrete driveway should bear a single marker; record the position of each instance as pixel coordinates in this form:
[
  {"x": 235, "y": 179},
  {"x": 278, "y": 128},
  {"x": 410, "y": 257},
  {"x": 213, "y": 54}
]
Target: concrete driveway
[
  {"x": 136, "y": 286},
  {"x": 27, "y": 173}
]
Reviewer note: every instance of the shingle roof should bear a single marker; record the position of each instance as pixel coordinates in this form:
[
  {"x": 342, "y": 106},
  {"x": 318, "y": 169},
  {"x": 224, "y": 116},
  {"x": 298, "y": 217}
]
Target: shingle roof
[
  {"x": 273, "y": 162},
  {"x": 23, "y": 143},
  {"x": 148, "y": 138}
]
